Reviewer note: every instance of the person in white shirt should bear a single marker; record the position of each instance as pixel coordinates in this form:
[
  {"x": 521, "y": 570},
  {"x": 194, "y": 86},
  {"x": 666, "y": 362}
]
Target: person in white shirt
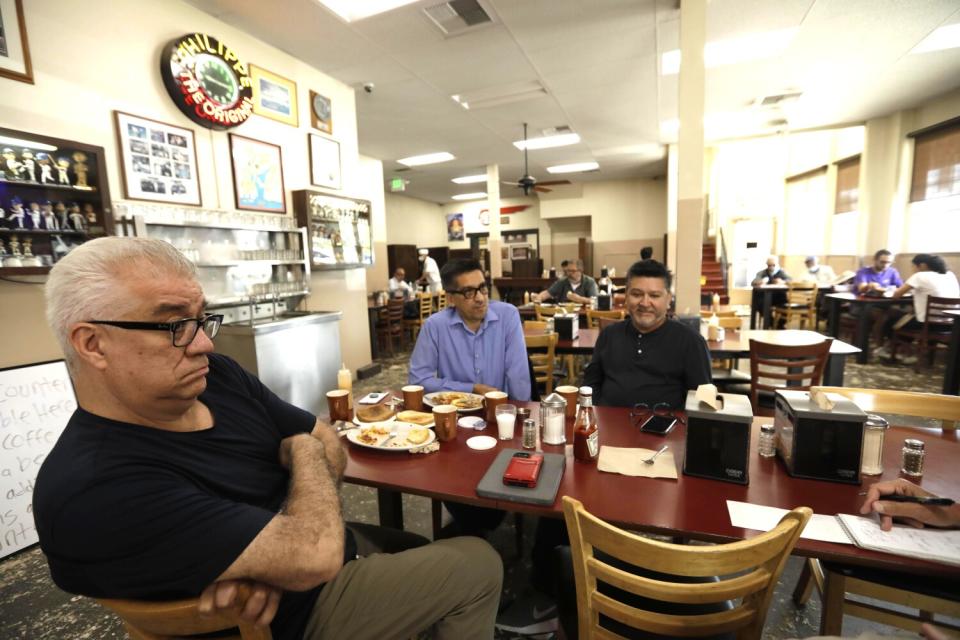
[
  {"x": 400, "y": 288},
  {"x": 819, "y": 273},
  {"x": 429, "y": 272}
]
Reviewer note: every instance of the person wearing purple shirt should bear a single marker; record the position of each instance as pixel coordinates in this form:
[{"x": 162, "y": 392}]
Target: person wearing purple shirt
[
  {"x": 474, "y": 346},
  {"x": 878, "y": 277}
]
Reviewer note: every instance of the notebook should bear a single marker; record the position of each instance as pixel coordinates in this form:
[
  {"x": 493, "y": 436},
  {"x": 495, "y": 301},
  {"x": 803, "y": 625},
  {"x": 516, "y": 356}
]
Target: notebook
[
  {"x": 545, "y": 493},
  {"x": 939, "y": 545}
]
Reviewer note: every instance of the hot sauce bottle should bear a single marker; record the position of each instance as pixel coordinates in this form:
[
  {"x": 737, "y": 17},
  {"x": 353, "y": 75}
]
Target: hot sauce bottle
[{"x": 586, "y": 436}]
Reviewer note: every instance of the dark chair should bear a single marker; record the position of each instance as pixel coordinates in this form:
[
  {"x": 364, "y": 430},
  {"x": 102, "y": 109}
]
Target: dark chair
[
  {"x": 390, "y": 325},
  {"x": 797, "y": 367},
  {"x": 934, "y": 332}
]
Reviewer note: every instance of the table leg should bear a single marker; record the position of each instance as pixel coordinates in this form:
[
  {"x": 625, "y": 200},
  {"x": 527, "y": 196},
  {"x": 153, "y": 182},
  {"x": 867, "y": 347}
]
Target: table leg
[
  {"x": 372, "y": 321},
  {"x": 767, "y": 315},
  {"x": 863, "y": 334},
  {"x": 833, "y": 317},
  {"x": 390, "y": 505},
  {"x": 753, "y": 309},
  {"x": 834, "y": 593},
  {"x": 951, "y": 377},
  {"x": 833, "y": 373}
]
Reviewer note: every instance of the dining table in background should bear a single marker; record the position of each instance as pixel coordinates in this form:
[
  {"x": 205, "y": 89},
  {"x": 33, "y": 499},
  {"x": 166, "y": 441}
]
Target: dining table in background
[
  {"x": 951, "y": 376},
  {"x": 861, "y": 340},
  {"x": 765, "y": 293}
]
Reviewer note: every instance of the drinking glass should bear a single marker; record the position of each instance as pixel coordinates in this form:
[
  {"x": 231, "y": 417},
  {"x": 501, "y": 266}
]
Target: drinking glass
[{"x": 506, "y": 420}]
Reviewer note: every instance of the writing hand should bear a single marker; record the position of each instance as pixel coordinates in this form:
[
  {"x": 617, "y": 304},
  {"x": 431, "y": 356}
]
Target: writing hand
[
  {"x": 259, "y": 601},
  {"x": 916, "y": 515}
]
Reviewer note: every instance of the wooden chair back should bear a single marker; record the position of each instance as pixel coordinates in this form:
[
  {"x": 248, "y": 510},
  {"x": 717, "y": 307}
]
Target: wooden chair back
[
  {"x": 801, "y": 304},
  {"x": 535, "y": 325},
  {"x": 725, "y": 313},
  {"x": 543, "y": 312},
  {"x": 904, "y": 403},
  {"x": 174, "y": 619},
  {"x": 730, "y": 322},
  {"x": 797, "y": 366},
  {"x": 749, "y": 570},
  {"x": 593, "y": 316},
  {"x": 441, "y": 301},
  {"x": 426, "y": 306},
  {"x": 543, "y": 363},
  {"x": 603, "y": 323}
]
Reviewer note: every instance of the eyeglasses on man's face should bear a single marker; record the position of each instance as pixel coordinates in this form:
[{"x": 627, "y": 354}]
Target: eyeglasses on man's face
[
  {"x": 471, "y": 292},
  {"x": 642, "y": 411},
  {"x": 182, "y": 332}
]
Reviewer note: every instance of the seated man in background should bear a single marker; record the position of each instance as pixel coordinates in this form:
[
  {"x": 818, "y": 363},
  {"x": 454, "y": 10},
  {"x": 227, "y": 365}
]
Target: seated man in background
[
  {"x": 575, "y": 287},
  {"x": 400, "y": 288},
  {"x": 773, "y": 274},
  {"x": 878, "y": 277},
  {"x": 181, "y": 475},
  {"x": 647, "y": 358},
  {"x": 819, "y": 273}
]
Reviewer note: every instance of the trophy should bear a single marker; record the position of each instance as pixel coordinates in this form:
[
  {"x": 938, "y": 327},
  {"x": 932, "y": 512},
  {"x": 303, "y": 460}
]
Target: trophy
[
  {"x": 16, "y": 218},
  {"x": 60, "y": 211},
  {"x": 28, "y": 167},
  {"x": 62, "y": 165},
  {"x": 89, "y": 213},
  {"x": 33, "y": 219},
  {"x": 29, "y": 260},
  {"x": 13, "y": 260},
  {"x": 80, "y": 169},
  {"x": 10, "y": 164},
  {"x": 46, "y": 168},
  {"x": 50, "y": 222},
  {"x": 77, "y": 221}
]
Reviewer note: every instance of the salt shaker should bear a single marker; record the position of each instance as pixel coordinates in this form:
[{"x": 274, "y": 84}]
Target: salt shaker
[
  {"x": 767, "y": 447},
  {"x": 913, "y": 453},
  {"x": 871, "y": 462}
]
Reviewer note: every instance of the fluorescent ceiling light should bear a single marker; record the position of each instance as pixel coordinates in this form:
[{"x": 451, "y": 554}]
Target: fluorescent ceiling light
[
  {"x": 754, "y": 46},
  {"x": 548, "y": 142},
  {"x": 480, "y": 177},
  {"x": 470, "y": 196},
  {"x": 573, "y": 168},
  {"x": 427, "y": 158},
  {"x": 945, "y": 37},
  {"x": 26, "y": 144},
  {"x": 353, "y": 10}
]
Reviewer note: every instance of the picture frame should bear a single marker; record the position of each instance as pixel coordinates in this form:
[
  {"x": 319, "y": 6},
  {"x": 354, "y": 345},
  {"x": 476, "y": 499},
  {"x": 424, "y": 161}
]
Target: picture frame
[
  {"x": 455, "y": 226},
  {"x": 274, "y": 96},
  {"x": 257, "y": 175},
  {"x": 321, "y": 112},
  {"x": 14, "y": 49},
  {"x": 324, "y": 162},
  {"x": 158, "y": 161}
]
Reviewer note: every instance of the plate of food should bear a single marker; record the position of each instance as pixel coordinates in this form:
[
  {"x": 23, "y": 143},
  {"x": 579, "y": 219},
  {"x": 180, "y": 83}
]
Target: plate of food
[
  {"x": 391, "y": 436},
  {"x": 384, "y": 412},
  {"x": 464, "y": 402},
  {"x": 416, "y": 418}
]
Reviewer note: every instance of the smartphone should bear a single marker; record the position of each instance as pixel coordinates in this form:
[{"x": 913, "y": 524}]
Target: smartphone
[
  {"x": 659, "y": 425},
  {"x": 373, "y": 397},
  {"x": 523, "y": 470}
]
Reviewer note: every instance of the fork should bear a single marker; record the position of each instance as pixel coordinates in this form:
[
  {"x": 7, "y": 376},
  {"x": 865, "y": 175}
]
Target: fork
[
  {"x": 393, "y": 435},
  {"x": 654, "y": 456}
]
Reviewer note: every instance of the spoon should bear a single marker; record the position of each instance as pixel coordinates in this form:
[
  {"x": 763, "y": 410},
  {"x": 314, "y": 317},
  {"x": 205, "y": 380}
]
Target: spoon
[{"x": 654, "y": 456}]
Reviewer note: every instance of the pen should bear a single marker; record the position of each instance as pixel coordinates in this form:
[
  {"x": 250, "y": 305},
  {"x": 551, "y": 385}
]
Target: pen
[{"x": 927, "y": 500}]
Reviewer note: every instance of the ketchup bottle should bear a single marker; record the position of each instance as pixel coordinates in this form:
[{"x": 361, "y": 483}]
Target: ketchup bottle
[{"x": 586, "y": 436}]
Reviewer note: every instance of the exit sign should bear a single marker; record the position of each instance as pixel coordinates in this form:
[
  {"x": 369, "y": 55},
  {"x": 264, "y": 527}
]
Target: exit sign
[{"x": 397, "y": 184}]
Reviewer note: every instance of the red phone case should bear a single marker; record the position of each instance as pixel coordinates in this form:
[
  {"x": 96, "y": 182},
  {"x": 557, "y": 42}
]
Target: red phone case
[{"x": 523, "y": 470}]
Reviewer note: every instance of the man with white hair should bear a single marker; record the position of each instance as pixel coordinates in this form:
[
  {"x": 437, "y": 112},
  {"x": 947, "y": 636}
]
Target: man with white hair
[
  {"x": 181, "y": 475},
  {"x": 429, "y": 272}
]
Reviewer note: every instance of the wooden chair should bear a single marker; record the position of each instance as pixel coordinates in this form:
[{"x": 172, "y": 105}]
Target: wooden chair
[
  {"x": 568, "y": 363},
  {"x": 535, "y": 325},
  {"x": 801, "y": 305},
  {"x": 726, "y": 313},
  {"x": 170, "y": 620},
  {"x": 441, "y": 300},
  {"x": 603, "y": 323},
  {"x": 798, "y": 367},
  {"x": 544, "y": 312},
  {"x": 835, "y": 583},
  {"x": 391, "y": 326},
  {"x": 593, "y": 316},
  {"x": 934, "y": 333},
  {"x": 426, "y": 308},
  {"x": 543, "y": 363},
  {"x": 758, "y": 563}
]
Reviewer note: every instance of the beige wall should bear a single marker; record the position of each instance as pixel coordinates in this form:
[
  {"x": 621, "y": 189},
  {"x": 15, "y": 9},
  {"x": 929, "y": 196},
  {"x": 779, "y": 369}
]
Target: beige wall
[
  {"x": 78, "y": 86},
  {"x": 414, "y": 221}
]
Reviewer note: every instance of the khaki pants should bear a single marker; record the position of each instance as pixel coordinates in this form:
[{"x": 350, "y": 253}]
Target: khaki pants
[{"x": 451, "y": 585}]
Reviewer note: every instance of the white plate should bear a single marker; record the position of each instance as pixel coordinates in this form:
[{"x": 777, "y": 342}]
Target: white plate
[
  {"x": 399, "y": 443},
  {"x": 357, "y": 420},
  {"x": 482, "y": 443},
  {"x": 428, "y": 400},
  {"x": 470, "y": 422}
]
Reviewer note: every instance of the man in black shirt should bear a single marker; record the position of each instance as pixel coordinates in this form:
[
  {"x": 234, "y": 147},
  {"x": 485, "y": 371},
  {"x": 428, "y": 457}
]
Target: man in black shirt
[
  {"x": 181, "y": 475},
  {"x": 647, "y": 358}
]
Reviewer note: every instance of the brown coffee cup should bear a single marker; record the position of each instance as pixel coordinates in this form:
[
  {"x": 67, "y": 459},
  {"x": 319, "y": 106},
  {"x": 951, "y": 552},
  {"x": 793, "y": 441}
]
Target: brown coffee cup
[
  {"x": 445, "y": 422},
  {"x": 492, "y": 400},
  {"x": 569, "y": 393},
  {"x": 412, "y": 397},
  {"x": 338, "y": 403}
]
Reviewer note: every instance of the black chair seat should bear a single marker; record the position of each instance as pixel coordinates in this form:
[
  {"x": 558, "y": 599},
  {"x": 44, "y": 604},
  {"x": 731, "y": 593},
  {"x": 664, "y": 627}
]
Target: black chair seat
[{"x": 925, "y": 585}]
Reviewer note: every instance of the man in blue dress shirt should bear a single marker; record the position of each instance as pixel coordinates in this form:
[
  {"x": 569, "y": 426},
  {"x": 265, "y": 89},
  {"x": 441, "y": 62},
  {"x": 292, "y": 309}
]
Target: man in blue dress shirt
[{"x": 474, "y": 346}]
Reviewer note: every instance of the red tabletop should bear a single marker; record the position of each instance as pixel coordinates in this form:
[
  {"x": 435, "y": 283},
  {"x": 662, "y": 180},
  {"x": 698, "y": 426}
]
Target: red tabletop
[{"x": 694, "y": 507}]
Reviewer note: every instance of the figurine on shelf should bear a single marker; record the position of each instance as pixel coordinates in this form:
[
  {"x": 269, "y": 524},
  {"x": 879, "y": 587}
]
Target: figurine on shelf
[
  {"x": 11, "y": 166},
  {"x": 3, "y": 252},
  {"x": 90, "y": 213},
  {"x": 49, "y": 220},
  {"x": 16, "y": 219},
  {"x": 29, "y": 260},
  {"x": 46, "y": 168},
  {"x": 13, "y": 260},
  {"x": 60, "y": 211},
  {"x": 62, "y": 165},
  {"x": 28, "y": 167},
  {"x": 80, "y": 169},
  {"x": 77, "y": 221},
  {"x": 58, "y": 247},
  {"x": 34, "y": 220}
]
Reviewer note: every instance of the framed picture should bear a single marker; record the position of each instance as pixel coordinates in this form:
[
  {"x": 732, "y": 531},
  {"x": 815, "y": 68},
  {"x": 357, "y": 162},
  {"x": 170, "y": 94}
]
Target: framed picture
[
  {"x": 257, "y": 175},
  {"x": 274, "y": 96},
  {"x": 321, "y": 112},
  {"x": 324, "y": 161},
  {"x": 158, "y": 161},
  {"x": 14, "y": 50},
  {"x": 454, "y": 226}
]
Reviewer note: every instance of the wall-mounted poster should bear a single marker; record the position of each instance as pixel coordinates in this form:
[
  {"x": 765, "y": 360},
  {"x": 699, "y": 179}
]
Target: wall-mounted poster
[
  {"x": 454, "y": 226},
  {"x": 274, "y": 96},
  {"x": 14, "y": 50},
  {"x": 158, "y": 161},
  {"x": 257, "y": 175},
  {"x": 321, "y": 112},
  {"x": 324, "y": 161}
]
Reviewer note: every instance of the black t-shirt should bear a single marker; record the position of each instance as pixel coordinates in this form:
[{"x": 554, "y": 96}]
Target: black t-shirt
[
  {"x": 127, "y": 511},
  {"x": 630, "y": 367}
]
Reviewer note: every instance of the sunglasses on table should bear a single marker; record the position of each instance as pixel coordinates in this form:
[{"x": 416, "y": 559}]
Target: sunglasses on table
[
  {"x": 471, "y": 292},
  {"x": 182, "y": 332},
  {"x": 642, "y": 411}
]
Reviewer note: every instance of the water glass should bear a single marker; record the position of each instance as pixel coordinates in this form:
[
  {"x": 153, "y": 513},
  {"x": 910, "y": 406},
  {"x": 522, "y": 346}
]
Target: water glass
[{"x": 506, "y": 420}]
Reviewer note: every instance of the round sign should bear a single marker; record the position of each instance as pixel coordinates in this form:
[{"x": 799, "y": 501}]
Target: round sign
[
  {"x": 321, "y": 107},
  {"x": 207, "y": 81}
]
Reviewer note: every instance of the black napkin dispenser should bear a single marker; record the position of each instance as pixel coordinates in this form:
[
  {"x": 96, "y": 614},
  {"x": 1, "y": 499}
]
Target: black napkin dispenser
[{"x": 718, "y": 441}]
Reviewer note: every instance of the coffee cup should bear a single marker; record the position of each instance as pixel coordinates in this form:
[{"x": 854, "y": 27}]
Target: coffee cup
[
  {"x": 445, "y": 422},
  {"x": 569, "y": 393},
  {"x": 492, "y": 400},
  {"x": 412, "y": 397},
  {"x": 338, "y": 403}
]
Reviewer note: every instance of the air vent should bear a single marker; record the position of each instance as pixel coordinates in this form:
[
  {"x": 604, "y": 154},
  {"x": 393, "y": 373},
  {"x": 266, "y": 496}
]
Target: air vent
[
  {"x": 458, "y": 16},
  {"x": 777, "y": 99},
  {"x": 401, "y": 169},
  {"x": 777, "y": 123},
  {"x": 557, "y": 131}
]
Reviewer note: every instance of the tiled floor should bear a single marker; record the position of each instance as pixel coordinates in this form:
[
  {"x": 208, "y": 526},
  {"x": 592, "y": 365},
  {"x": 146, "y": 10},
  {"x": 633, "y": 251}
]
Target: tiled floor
[{"x": 31, "y": 607}]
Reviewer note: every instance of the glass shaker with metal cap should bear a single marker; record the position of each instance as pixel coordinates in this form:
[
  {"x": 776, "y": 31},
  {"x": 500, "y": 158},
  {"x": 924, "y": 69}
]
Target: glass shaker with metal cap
[
  {"x": 913, "y": 454},
  {"x": 871, "y": 460},
  {"x": 552, "y": 418}
]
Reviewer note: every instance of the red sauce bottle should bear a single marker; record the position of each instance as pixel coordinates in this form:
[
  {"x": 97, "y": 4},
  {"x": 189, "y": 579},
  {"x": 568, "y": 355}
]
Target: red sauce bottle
[{"x": 586, "y": 436}]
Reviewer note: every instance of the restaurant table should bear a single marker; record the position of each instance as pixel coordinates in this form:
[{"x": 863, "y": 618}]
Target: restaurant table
[
  {"x": 765, "y": 309},
  {"x": 689, "y": 506},
  {"x": 865, "y": 303},
  {"x": 951, "y": 377}
]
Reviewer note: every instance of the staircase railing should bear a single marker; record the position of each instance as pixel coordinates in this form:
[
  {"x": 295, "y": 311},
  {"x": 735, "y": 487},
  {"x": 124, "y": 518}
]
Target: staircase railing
[{"x": 723, "y": 259}]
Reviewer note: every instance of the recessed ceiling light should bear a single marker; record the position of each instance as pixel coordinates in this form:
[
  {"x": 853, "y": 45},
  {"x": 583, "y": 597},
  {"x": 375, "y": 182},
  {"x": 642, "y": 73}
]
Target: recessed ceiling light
[
  {"x": 427, "y": 158},
  {"x": 754, "y": 46},
  {"x": 352, "y": 10},
  {"x": 573, "y": 168},
  {"x": 548, "y": 142},
  {"x": 945, "y": 37},
  {"x": 480, "y": 177},
  {"x": 470, "y": 196},
  {"x": 27, "y": 144}
]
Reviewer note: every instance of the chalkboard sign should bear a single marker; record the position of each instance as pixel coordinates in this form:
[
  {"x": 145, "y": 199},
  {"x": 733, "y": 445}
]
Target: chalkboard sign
[{"x": 36, "y": 402}]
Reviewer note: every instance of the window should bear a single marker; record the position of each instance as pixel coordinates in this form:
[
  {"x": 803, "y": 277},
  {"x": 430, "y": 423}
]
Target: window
[
  {"x": 936, "y": 162},
  {"x": 848, "y": 185},
  {"x": 807, "y": 208}
]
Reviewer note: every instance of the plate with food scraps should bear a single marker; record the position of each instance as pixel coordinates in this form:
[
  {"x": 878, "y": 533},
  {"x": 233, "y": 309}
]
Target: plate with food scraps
[
  {"x": 379, "y": 436},
  {"x": 464, "y": 402}
]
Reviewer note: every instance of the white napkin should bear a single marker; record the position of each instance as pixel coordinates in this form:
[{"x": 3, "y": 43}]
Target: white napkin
[{"x": 707, "y": 394}]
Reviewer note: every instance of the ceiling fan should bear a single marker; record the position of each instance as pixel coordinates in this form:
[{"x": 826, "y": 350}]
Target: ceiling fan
[{"x": 528, "y": 183}]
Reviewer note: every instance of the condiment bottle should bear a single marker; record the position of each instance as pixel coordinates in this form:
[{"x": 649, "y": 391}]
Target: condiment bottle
[
  {"x": 768, "y": 441},
  {"x": 345, "y": 381},
  {"x": 715, "y": 302},
  {"x": 913, "y": 453},
  {"x": 586, "y": 436},
  {"x": 871, "y": 460}
]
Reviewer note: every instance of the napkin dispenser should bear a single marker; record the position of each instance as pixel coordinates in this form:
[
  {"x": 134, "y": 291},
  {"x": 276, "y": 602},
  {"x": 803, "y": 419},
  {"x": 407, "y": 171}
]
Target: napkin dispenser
[
  {"x": 819, "y": 443},
  {"x": 718, "y": 441},
  {"x": 603, "y": 302},
  {"x": 567, "y": 326}
]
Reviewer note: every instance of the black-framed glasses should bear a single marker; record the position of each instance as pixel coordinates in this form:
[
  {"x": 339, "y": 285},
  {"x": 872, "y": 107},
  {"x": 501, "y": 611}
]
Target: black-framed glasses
[
  {"x": 182, "y": 332},
  {"x": 471, "y": 292},
  {"x": 641, "y": 411}
]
